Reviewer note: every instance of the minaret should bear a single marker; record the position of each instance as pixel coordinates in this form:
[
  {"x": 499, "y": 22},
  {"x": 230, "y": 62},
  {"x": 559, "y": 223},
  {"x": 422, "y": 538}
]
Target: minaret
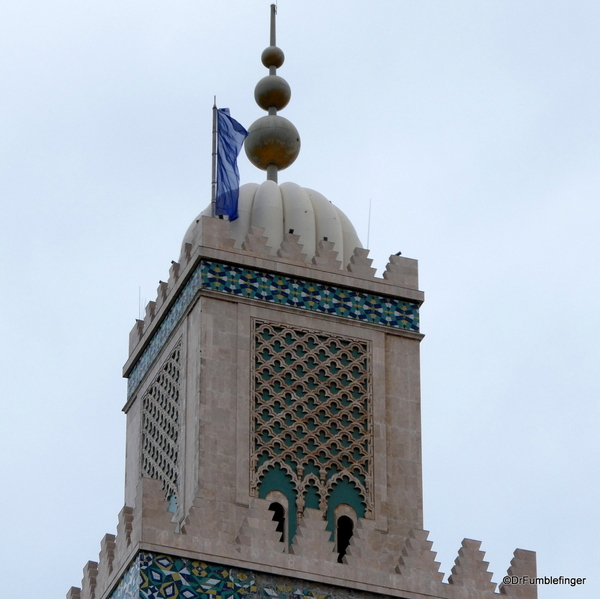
[{"x": 273, "y": 411}]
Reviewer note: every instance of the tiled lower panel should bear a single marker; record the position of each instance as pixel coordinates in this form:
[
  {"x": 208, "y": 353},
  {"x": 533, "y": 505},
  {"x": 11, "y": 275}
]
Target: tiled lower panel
[{"x": 157, "y": 576}]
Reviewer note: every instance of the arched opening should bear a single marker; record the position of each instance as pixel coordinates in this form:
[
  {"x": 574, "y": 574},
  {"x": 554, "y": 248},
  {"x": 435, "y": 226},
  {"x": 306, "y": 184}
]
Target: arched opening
[
  {"x": 277, "y": 487},
  {"x": 344, "y": 531},
  {"x": 279, "y": 517}
]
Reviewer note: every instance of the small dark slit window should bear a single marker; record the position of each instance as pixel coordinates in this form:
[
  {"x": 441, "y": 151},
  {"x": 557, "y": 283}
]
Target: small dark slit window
[
  {"x": 279, "y": 517},
  {"x": 345, "y": 528}
]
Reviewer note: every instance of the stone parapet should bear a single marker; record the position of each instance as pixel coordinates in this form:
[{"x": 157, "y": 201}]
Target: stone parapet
[
  {"x": 212, "y": 240},
  {"x": 254, "y": 546}
]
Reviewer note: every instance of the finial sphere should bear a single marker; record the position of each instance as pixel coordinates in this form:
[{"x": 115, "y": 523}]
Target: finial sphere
[
  {"x": 272, "y": 140},
  {"x": 272, "y": 57},
  {"x": 272, "y": 91}
]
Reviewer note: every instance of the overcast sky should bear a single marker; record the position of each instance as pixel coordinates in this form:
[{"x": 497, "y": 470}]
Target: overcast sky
[{"x": 473, "y": 127}]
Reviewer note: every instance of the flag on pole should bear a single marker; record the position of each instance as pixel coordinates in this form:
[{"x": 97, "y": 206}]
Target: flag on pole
[{"x": 230, "y": 137}]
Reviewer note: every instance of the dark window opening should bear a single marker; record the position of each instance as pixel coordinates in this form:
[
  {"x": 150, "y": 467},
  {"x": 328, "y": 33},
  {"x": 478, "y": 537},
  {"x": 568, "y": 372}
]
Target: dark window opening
[
  {"x": 279, "y": 517},
  {"x": 345, "y": 529}
]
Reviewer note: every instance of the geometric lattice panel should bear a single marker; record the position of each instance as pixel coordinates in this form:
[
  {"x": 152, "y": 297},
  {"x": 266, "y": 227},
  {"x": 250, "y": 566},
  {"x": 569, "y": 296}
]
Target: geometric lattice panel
[
  {"x": 160, "y": 425},
  {"x": 312, "y": 411}
]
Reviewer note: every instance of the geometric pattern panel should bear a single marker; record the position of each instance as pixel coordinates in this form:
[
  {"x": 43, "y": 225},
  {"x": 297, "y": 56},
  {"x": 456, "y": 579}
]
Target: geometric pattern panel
[
  {"x": 312, "y": 411},
  {"x": 158, "y": 576},
  {"x": 310, "y": 295},
  {"x": 160, "y": 425},
  {"x": 276, "y": 289},
  {"x": 129, "y": 587}
]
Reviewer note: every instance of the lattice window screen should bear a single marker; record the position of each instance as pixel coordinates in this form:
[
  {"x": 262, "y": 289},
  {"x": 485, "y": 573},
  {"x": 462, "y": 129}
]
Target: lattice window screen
[
  {"x": 160, "y": 425},
  {"x": 312, "y": 410}
]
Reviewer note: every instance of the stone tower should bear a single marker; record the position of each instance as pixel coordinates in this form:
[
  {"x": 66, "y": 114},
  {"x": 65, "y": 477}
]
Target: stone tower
[{"x": 273, "y": 411}]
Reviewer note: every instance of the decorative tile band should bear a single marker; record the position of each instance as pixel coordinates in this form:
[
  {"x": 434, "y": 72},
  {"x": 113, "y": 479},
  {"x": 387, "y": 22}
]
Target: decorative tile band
[
  {"x": 282, "y": 290},
  {"x": 156, "y": 576},
  {"x": 129, "y": 587}
]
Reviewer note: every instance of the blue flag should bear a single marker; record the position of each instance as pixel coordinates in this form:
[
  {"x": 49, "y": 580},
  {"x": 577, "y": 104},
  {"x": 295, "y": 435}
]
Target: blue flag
[{"x": 230, "y": 137}]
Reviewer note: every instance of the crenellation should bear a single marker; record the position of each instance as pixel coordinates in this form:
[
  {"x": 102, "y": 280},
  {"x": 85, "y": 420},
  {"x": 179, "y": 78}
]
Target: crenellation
[
  {"x": 325, "y": 256},
  {"x": 74, "y": 593},
  {"x": 523, "y": 564},
  {"x": 137, "y": 332},
  {"x": 186, "y": 254},
  {"x": 123, "y": 537},
  {"x": 402, "y": 271},
  {"x": 257, "y": 532},
  {"x": 417, "y": 567},
  {"x": 360, "y": 264},
  {"x": 88, "y": 584},
  {"x": 291, "y": 249},
  {"x": 312, "y": 538},
  {"x": 470, "y": 571},
  {"x": 161, "y": 293},
  {"x": 150, "y": 313},
  {"x": 105, "y": 563},
  {"x": 215, "y": 233},
  {"x": 256, "y": 242},
  {"x": 173, "y": 275},
  {"x": 368, "y": 548}
]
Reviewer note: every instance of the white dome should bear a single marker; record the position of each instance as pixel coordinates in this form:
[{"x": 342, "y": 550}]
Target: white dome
[{"x": 280, "y": 208}]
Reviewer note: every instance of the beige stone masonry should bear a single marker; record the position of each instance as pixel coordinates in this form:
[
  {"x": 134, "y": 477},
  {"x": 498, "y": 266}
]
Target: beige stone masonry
[
  {"x": 402, "y": 271},
  {"x": 367, "y": 548},
  {"x": 210, "y": 523},
  {"x": 522, "y": 564},
  {"x": 136, "y": 334},
  {"x": 291, "y": 249},
  {"x": 360, "y": 264},
  {"x": 74, "y": 593},
  {"x": 123, "y": 538},
  {"x": 152, "y": 522},
  {"x": 417, "y": 567},
  {"x": 470, "y": 572},
  {"x": 258, "y": 536},
  {"x": 325, "y": 257},
  {"x": 174, "y": 270},
  {"x": 150, "y": 313},
  {"x": 312, "y": 540},
  {"x": 186, "y": 254},
  {"x": 212, "y": 232},
  {"x": 105, "y": 562},
  {"x": 161, "y": 293},
  {"x": 256, "y": 242},
  {"x": 88, "y": 584}
]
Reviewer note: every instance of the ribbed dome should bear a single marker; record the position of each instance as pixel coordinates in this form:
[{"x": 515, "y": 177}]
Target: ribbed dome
[{"x": 280, "y": 208}]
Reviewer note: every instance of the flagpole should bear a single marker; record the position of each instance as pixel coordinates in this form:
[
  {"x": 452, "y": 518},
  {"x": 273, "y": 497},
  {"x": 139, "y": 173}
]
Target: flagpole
[{"x": 213, "y": 198}]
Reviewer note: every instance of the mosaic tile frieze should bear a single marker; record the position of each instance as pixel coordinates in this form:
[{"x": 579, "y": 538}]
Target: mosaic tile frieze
[
  {"x": 311, "y": 411},
  {"x": 129, "y": 587},
  {"x": 282, "y": 290},
  {"x": 156, "y": 576},
  {"x": 160, "y": 425}
]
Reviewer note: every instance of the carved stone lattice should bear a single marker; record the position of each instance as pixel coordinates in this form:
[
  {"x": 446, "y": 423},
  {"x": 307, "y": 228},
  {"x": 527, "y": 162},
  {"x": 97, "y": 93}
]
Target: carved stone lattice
[
  {"x": 160, "y": 425},
  {"x": 312, "y": 411}
]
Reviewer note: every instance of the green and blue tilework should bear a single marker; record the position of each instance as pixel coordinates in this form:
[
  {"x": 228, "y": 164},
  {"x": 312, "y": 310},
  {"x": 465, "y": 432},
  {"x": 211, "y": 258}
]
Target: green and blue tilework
[
  {"x": 282, "y": 290},
  {"x": 156, "y": 576},
  {"x": 129, "y": 587}
]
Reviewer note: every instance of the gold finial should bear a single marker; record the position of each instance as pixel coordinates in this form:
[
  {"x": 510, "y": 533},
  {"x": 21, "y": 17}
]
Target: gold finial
[{"x": 273, "y": 142}]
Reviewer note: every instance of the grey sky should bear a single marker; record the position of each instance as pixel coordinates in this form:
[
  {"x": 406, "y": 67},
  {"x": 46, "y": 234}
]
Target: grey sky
[{"x": 474, "y": 128}]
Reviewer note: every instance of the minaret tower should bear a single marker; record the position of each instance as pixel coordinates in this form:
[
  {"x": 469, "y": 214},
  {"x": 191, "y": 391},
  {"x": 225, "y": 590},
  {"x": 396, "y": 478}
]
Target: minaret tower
[{"x": 273, "y": 411}]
